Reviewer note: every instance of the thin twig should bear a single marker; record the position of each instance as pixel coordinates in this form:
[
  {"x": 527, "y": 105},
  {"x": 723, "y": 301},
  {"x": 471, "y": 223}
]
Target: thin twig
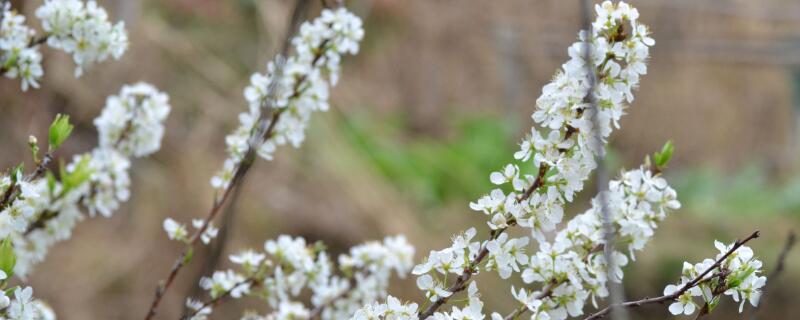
[
  {"x": 780, "y": 265},
  {"x": 216, "y": 250},
  {"x": 220, "y": 298},
  {"x": 671, "y": 297},
  {"x": 10, "y": 194},
  {"x": 264, "y": 131},
  {"x": 546, "y": 292}
]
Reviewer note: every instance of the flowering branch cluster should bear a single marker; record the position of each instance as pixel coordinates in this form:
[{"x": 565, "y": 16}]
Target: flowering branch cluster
[
  {"x": 41, "y": 208},
  {"x": 572, "y": 267},
  {"x": 280, "y": 105},
  {"x": 20, "y": 305},
  {"x": 292, "y": 89},
  {"x": 288, "y": 265},
  {"x": 732, "y": 273},
  {"x": 574, "y": 117},
  {"x": 76, "y": 27},
  {"x": 564, "y": 156},
  {"x": 41, "y": 211}
]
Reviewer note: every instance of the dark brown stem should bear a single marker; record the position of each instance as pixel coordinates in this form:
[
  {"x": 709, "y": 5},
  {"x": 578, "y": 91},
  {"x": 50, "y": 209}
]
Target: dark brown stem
[
  {"x": 780, "y": 265},
  {"x": 546, "y": 292},
  {"x": 461, "y": 281},
  {"x": 37, "y": 41},
  {"x": 220, "y": 298},
  {"x": 179, "y": 263},
  {"x": 265, "y": 130},
  {"x": 671, "y": 297},
  {"x": 11, "y": 193}
]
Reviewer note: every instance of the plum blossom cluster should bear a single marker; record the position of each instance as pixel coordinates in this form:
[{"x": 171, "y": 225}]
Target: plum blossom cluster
[
  {"x": 563, "y": 157},
  {"x": 292, "y": 89},
  {"x": 503, "y": 254},
  {"x": 42, "y": 211},
  {"x": 80, "y": 28},
  {"x": 738, "y": 276},
  {"x": 132, "y": 122},
  {"x": 564, "y": 150},
  {"x": 289, "y": 267},
  {"x": 177, "y": 231},
  {"x": 393, "y": 309},
  {"x": 572, "y": 268},
  {"x": 83, "y": 30},
  {"x": 21, "y": 305},
  {"x": 17, "y": 58}
]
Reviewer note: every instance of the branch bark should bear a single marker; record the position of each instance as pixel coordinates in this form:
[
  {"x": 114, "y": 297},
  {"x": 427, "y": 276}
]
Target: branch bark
[
  {"x": 671, "y": 297},
  {"x": 264, "y": 131}
]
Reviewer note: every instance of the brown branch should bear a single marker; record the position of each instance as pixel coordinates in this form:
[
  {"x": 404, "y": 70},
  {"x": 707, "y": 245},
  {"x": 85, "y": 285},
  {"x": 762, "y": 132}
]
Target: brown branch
[
  {"x": 546, "y": 292},
  {"x": 461, "y": 281},
  {"x": 265, "y": 130},
  {"x": 671, "y": 297},
  {"x": 780, "y": 265},
  {"x": 37, "y": 41},
  {"x": 11, "y": 192},
  {"x": 220, "y": 298}
]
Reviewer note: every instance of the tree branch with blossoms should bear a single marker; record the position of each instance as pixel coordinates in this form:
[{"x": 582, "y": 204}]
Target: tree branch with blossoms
[
  {"x": 703, "y": 277},
  {"x": 289, "y": 265},
  {"x": 281, "y": 103},
  {"x": 76, "y": 27},
  {"x": 565, "y": 157}
]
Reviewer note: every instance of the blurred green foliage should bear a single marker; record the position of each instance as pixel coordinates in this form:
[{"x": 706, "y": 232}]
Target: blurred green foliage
[
  {"x": 435, "y": 171},
  {"x": 747, "y": 191},
  {"x": 431, "y": 169}
]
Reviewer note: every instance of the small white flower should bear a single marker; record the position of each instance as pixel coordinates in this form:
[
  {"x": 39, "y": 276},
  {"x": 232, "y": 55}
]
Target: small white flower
[{"x": 175, "y": 230}]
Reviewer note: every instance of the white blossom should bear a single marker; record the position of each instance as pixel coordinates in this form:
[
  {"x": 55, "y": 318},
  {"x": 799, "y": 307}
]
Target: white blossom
[
  {"x": 132, "y": 122},
  {"x": 44, "y": 213},
  {"x": 17, "y": 58},
  {"x": 737, "y": 276},
  {"x": 292, "y": 267},
  {"x": 563, "y": 150},
  {"x": 175, "y": 230},
  {"x": 292, "y": 88},
  {"x": 209, "y": 233},
  {"x": 83, "y": 30}
]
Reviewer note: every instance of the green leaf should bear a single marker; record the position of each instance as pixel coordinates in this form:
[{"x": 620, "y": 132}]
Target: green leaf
[
  {"x": 81, "y": 172},
  {"x": 33, "y": 144},
  {"x": 713, "y": 304},
  {"x": 188, "y": 257},
  {"x": 7, "y": 257},
  {"x": 60, "y": 130},
  {"x": 51, "y": 181},
  {"x": 10, "y": 291},
  {"x": 662, "y": 157},
  {"x": 17, "y": 171}
]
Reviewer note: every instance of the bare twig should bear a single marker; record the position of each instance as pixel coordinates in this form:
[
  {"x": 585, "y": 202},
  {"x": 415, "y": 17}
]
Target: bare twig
[
  {"x": 215, "y": 251},
  {"x": 671, "y": 297},
  {"x": 780, "y": 265}
]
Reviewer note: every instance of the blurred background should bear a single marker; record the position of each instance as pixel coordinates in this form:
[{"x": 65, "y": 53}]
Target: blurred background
[{"x": 437, "y": 99}]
